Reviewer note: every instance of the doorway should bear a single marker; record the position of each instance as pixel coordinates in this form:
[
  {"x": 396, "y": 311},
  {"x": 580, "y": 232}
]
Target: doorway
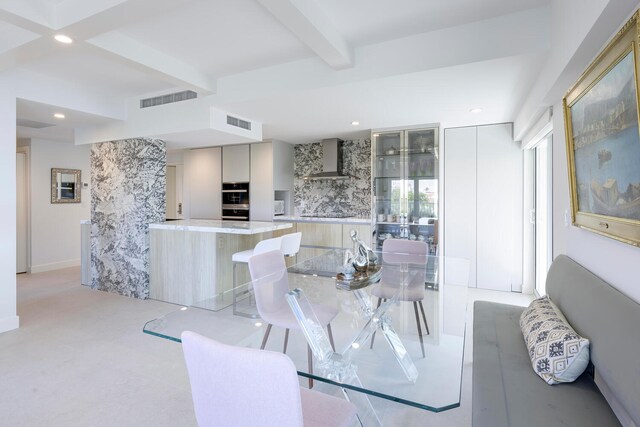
[{"x": 22, "y": 238}]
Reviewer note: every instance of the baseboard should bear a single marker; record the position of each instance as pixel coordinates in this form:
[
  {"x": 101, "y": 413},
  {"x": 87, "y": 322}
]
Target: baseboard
[
  {"x": 54, "y": 266},
  {"x": 9, "y": 323}
]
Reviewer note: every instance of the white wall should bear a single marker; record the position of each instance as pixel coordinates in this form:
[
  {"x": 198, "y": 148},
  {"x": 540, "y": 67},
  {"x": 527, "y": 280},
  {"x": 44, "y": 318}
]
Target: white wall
[
  {"x": 596, "y": 21},
  {"x": 55, "y": 228},
  {"x": 8, "y": 317}
]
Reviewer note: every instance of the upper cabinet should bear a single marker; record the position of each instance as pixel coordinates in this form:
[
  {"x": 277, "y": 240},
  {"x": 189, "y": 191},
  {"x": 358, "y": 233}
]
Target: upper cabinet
[{"x": 236, "y": 163}]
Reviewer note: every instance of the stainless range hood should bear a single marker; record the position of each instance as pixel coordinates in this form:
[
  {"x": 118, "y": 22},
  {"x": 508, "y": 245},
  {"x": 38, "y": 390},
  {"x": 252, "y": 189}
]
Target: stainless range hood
[{"x": 332, "y": 163}]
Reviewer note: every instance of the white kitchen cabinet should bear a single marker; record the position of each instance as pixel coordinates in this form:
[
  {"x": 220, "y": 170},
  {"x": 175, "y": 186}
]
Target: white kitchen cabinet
[
  {"x": 203, "y": 183},
  {"x": 271, "y": 178},
  {"x": 483, "y": 204},
  {"x": 460, "y": 197},
  {"x": 261, "y": 185},
  {"x": 236, "y": 163}
]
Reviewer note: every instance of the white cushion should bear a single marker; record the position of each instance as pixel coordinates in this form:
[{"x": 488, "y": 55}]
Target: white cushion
[{"x": 558, "y": 354}]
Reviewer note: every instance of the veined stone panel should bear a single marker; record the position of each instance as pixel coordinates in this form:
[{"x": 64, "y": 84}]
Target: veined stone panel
[
  {"x": 325, "y": 197},
  {"x": 128, "y": 180}
]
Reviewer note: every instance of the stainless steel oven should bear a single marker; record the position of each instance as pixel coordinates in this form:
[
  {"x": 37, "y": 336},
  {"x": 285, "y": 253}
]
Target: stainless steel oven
[{"x": 235, "y": 201}]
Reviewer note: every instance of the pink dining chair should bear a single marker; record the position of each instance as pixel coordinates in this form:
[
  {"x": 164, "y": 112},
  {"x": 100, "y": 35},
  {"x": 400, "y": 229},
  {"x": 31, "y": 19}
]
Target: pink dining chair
[
  {"x": 411, "y": 289},
  {"x": 238, "y": 386},
  {"x": 270, "y": 284}
]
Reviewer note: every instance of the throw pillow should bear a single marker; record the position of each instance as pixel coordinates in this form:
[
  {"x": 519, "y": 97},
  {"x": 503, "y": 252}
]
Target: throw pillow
[{"x": 558, "y": 354}]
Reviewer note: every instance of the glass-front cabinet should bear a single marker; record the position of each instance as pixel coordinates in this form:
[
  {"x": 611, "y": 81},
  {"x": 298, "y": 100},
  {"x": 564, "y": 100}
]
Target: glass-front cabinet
[{"x": 405, "y": 185}]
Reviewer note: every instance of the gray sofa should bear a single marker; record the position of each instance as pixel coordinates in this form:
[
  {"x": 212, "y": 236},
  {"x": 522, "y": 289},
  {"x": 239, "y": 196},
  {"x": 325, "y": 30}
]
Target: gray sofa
[{"x": 506, "y": 391}]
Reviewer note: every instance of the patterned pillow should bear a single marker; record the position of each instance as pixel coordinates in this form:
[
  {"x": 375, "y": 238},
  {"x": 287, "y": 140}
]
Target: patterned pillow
[{"x": 558, "y": 354}]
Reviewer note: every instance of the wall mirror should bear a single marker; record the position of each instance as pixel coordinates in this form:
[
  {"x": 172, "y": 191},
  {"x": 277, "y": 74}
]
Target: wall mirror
[{"x": 65, "y": 185}]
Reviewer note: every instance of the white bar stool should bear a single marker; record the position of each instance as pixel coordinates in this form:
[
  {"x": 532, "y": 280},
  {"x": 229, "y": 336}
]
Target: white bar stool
[
  {"x": 242, "y": 257},
  {"x": 291, "y": 244}
]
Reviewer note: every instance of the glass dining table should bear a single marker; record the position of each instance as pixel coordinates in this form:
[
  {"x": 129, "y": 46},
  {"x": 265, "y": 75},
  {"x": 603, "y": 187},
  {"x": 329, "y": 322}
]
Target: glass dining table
[{"x": 378, "y": 333}]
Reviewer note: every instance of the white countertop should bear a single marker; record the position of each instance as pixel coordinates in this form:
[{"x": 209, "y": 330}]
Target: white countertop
[
  {"x": 219, "y": 226},
  {"x": 350, "y": 220}
]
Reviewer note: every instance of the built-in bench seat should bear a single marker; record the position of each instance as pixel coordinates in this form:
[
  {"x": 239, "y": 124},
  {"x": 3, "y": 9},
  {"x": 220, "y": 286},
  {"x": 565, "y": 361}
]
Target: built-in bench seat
[{"x": 506, "y": 390}]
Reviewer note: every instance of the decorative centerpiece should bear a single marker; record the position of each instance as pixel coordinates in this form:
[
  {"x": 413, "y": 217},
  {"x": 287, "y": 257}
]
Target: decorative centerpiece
[{"x": 360, "y": 267}]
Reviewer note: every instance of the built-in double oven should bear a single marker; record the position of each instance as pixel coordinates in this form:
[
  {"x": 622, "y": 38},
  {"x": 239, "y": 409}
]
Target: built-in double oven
[{"x": 235, "y": 201}]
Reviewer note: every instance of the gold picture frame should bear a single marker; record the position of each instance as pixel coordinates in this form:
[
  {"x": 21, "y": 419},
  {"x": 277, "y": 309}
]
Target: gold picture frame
[
  {"x": 603, "y": 140},
  {"x": 65, "y": 185}
]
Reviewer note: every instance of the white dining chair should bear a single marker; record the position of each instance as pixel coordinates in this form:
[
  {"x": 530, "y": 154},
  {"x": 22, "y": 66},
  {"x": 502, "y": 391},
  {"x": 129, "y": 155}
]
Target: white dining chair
[
  {"x": 271, "y": 283},
  {"x": 409, "y": 288},
  {"x": 238, "y": 386}
]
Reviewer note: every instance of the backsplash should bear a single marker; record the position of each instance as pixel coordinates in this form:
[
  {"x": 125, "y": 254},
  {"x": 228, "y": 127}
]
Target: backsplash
[
  {"x": 326, "y": 197},
  {"x": 127, "y": 193}
]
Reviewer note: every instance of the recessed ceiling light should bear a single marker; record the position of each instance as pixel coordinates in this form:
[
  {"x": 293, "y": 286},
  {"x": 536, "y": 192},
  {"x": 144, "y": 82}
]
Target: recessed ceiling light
[
  {"x": 476, "y": 110},
  {"x": 63, "y": 39},
  {"x": 58, "y": 116},
  {"x": 355, "y": 123}
]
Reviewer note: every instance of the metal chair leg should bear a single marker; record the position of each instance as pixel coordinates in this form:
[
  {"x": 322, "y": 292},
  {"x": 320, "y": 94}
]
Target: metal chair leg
[
  {"x": 415, "y": 309},
  {"x": 426, "y": 325},
  {"x": 310, "y": 356},
  {"x": 266, "y": 336},
  {"x": 373, "y": 336},
  {"x": 333, "y": 346},
  {"x": 286, "y": 340}
]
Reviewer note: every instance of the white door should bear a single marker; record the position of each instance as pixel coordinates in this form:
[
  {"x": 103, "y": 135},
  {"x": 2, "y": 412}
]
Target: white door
[{"x": 21, "y": 213}]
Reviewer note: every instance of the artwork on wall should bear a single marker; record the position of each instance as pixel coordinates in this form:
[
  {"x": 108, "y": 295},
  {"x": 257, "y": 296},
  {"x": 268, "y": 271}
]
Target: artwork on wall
[
  {"x": 65, "y": 185},
  {"x": 603, "y": 141}
]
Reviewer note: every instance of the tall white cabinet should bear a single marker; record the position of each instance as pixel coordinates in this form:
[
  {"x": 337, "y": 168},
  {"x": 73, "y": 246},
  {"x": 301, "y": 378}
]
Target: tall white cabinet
[
  {"x": 483, "y": 190},
  {"x": 203, "y": 183},
  {"x": 271, "y": 178}
]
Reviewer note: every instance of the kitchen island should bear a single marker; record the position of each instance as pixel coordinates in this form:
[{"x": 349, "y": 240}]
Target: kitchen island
[{"x": 190, "y": 260}]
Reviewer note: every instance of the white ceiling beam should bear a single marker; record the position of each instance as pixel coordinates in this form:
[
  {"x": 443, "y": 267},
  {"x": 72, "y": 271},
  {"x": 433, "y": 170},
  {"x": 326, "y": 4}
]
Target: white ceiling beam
[
  {"x": 23, "y": 21},
  {"x": 521, "y": 33},
  {"x": 153, "y": 61},
  {"x": 311, "y": 26},
  {"x": 93, "y": 22}
]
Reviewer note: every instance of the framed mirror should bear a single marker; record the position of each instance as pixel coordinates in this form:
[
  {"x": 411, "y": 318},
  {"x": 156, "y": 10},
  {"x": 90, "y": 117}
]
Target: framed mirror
[{"x": 65, "y": 185}]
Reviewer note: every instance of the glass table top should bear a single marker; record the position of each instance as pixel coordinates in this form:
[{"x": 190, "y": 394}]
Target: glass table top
[{"x": 436, "y": 387}]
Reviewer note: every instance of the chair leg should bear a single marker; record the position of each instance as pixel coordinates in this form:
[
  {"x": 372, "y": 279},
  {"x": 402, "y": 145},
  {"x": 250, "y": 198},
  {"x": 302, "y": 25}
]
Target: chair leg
[
  {"x": 310, "y": 356},
  {"x": 373, "y": 336},
  {"x": 286, "y": 340},
  {"x": 415, "y": 309},
  {"x": 426, "y": 325},
  {"x": 333, "y": 346},
  {"x": 266, "y": 336}
]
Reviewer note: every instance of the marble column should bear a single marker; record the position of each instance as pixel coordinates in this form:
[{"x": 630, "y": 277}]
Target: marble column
[{"x": 128, "y": 180}]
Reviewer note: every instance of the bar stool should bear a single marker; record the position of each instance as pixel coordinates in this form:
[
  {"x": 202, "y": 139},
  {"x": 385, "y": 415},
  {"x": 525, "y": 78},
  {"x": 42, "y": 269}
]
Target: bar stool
[
  {"x": 242, "y": 257},
  {"x": 291, "y": 244}
]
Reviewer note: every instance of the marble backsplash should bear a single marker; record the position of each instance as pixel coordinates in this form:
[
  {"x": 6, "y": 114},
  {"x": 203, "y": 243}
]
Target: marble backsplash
[
  {"x": 128, "y": 192},
  {"x": 327, "y": 197}
]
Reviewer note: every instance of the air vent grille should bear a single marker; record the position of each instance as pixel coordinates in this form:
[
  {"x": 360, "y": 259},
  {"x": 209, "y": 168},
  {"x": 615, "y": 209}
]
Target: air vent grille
[
  {"x": 26, "y": 123},
  {"x": 239, "y": 123},
  {"x": 168, "y": 99}
]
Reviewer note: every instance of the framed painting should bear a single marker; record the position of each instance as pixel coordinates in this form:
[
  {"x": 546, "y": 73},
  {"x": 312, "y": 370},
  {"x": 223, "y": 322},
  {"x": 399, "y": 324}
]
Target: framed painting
[
  {"x": 603, "y": 141},
  {"x": 65, "y": 185}
]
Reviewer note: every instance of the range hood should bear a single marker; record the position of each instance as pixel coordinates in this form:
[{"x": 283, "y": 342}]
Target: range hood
[{"x": 331, "y": 161}]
